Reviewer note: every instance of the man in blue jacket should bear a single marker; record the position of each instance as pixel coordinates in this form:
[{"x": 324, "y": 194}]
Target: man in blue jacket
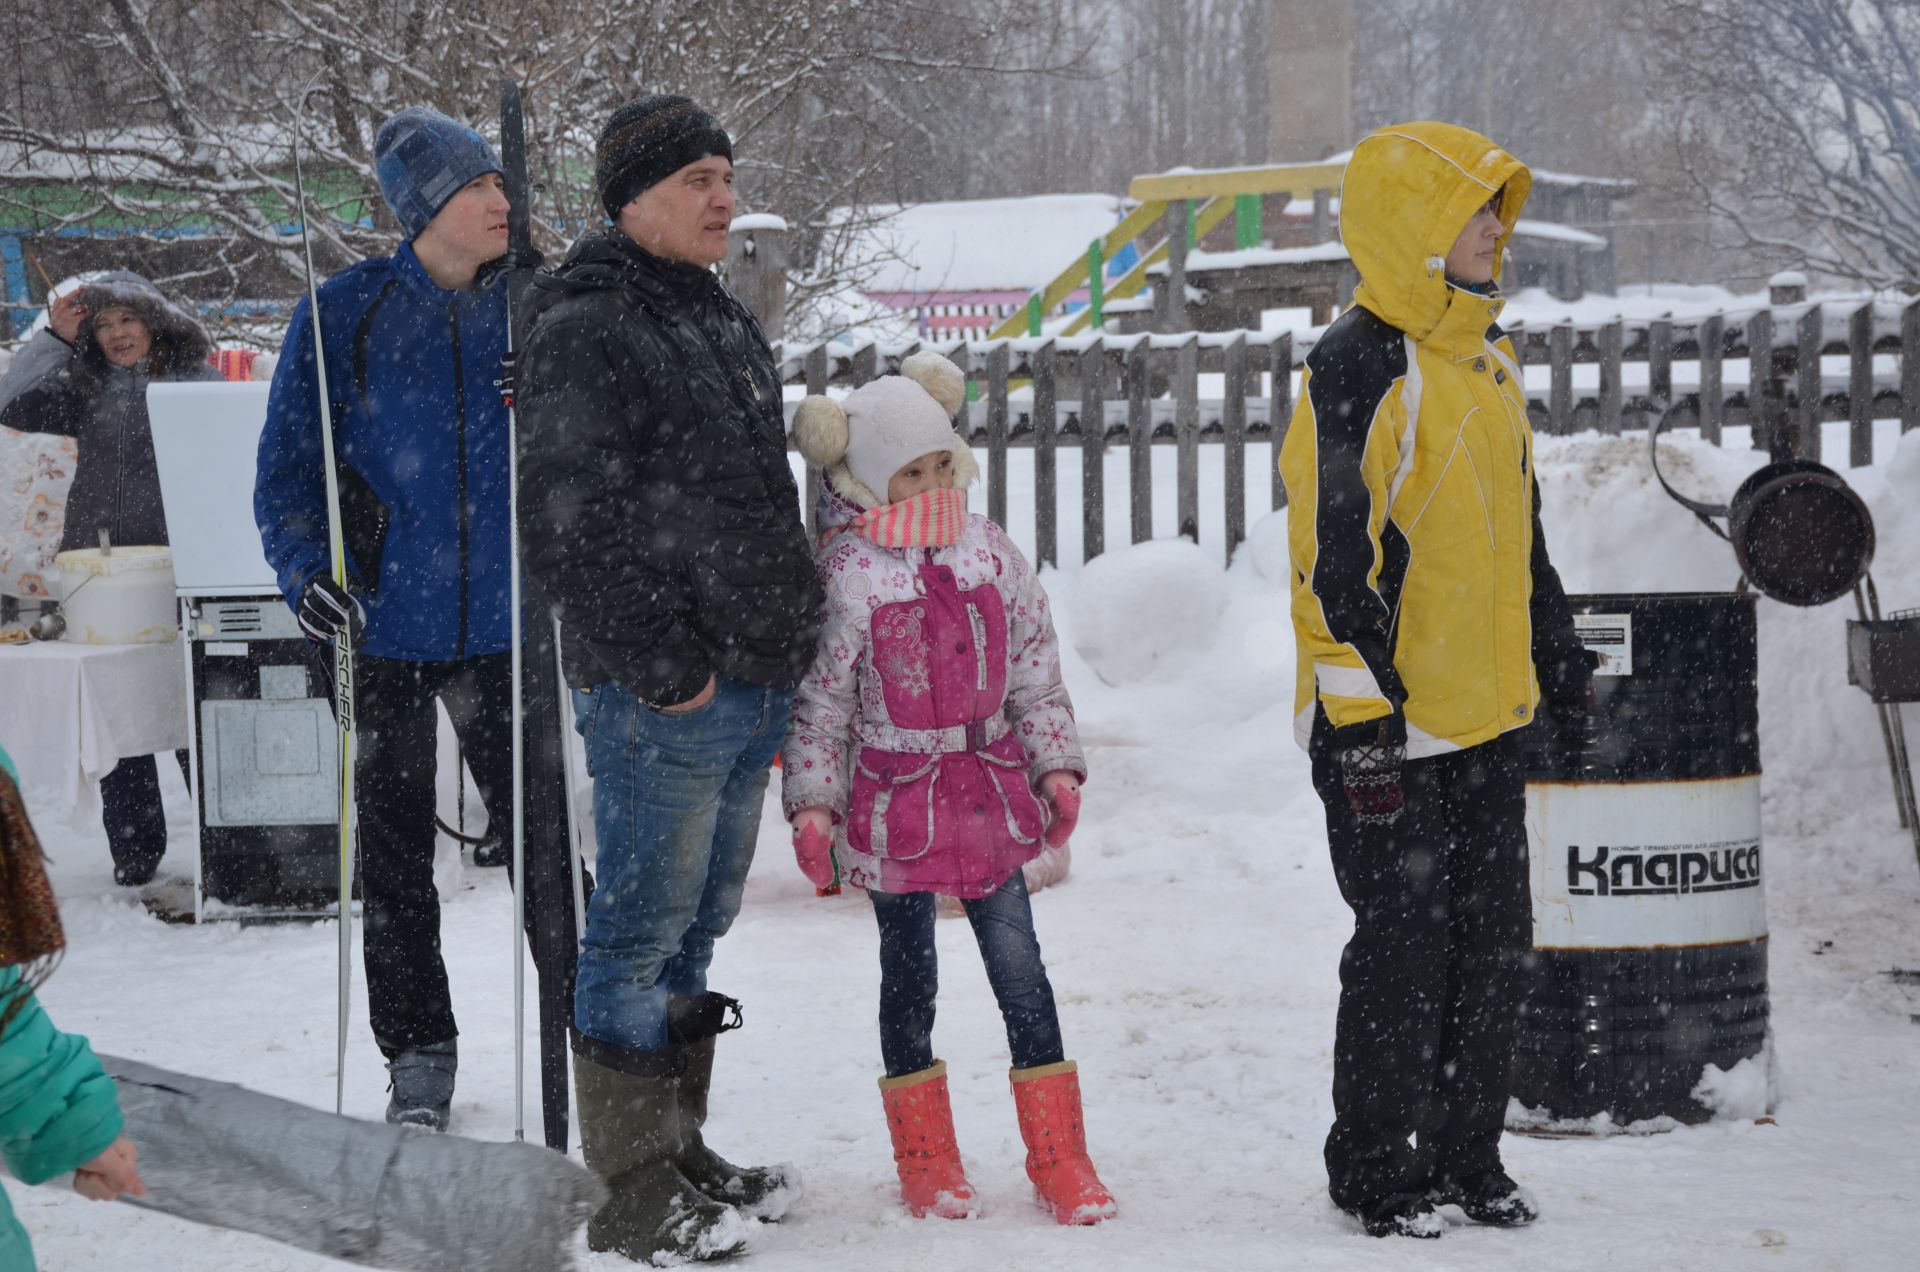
[{"x": 413, "y": 346}]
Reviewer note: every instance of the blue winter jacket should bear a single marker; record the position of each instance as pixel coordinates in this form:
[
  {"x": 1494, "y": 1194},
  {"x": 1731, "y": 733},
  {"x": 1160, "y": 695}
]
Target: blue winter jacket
[{"x": 421, "y": 437}]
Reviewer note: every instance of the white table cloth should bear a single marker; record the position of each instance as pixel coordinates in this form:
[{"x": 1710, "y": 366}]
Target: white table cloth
[{"x": 70, "y": 712}]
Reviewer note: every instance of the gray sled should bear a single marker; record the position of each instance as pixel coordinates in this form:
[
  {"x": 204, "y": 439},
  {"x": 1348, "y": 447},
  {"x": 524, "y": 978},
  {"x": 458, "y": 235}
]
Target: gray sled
[{"x": 367, "y": 1193}]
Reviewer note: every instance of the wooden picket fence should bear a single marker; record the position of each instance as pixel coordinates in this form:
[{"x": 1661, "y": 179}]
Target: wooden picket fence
[{"x": 1146, "y": 391}]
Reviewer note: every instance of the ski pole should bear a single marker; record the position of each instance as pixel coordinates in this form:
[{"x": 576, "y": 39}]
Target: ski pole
[
  {"x": 513, "y": 158},
  {"x": 342, "y": 641}
]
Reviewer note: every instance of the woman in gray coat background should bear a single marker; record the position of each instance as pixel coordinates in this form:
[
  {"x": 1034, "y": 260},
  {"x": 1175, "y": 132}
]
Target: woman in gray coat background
[{"x": 85, "y": 376}]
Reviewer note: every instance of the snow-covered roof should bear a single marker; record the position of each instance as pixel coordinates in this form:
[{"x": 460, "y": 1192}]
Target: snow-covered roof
[
  {"x": 1613, "y": 185},
  {"x": 1253, "y": 257},
  {"x": 747, "y": 221},
  {"x": 979, "y": 244},
  {"x": 1525, "y": 228}
]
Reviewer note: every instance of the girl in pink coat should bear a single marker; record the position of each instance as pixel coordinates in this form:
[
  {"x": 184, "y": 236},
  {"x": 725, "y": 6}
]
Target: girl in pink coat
[{"x": 933, "y": 752}]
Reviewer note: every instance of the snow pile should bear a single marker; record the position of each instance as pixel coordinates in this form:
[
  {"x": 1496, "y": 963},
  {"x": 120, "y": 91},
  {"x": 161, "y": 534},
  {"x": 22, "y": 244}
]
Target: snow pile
[
  {"x": 1266, "y": 547},
  {"x": 1744, "y": 1092},
  {"x": 1134, "y": 606}
]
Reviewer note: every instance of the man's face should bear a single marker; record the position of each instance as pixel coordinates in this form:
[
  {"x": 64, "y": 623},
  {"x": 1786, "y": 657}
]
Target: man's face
[
  {"x": 473, "y": 224},
  {"x": 685, "y": 217}
]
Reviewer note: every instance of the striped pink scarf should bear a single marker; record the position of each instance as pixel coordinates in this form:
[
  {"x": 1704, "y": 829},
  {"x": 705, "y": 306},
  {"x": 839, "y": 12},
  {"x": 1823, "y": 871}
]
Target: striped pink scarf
[{"x": 931, "y": 519}]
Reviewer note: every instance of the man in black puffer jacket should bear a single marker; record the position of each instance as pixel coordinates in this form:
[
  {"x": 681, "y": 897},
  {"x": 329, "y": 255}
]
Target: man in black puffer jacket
[{"x": 660, "y": 516}]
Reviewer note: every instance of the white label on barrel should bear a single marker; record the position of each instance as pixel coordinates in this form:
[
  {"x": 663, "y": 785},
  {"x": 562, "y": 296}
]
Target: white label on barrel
[
  {"x": 1612, "y": 636},
  {"x": 1642, "y": 865}
]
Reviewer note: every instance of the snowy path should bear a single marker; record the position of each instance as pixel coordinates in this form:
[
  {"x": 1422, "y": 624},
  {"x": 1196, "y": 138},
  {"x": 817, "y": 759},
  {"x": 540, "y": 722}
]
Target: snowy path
[{"x": 1194, "y": 954}]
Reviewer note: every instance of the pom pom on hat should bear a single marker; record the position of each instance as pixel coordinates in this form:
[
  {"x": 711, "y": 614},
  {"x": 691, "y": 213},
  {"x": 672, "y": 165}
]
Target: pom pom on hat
[
  {"x": 820, "y": 431},
  {"x": 939, "y": 377}
]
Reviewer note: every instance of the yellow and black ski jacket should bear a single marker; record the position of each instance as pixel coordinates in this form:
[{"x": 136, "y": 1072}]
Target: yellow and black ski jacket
[{"x": 1423, "y": 599}]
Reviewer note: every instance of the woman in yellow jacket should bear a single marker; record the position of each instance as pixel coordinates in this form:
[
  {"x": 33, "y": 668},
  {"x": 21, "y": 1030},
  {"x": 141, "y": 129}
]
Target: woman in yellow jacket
[{"x": 1429, "y": 623}]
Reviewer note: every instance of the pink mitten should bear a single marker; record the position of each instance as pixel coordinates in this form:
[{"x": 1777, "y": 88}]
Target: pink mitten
[
  {"x": 813, "y": 849},
  {"x": 1065, "y": 801}
]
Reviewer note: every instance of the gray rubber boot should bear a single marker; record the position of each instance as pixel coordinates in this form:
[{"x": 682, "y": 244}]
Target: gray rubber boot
[
  {"x": 765, "y": 1192},
  {"x": 630, "y": 1134},
  {"x": 421, "y": 1082}
]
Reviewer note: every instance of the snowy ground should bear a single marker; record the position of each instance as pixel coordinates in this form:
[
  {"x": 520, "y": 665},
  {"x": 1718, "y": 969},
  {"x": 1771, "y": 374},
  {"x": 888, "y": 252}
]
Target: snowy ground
[{"x": 1194, "y": 953}]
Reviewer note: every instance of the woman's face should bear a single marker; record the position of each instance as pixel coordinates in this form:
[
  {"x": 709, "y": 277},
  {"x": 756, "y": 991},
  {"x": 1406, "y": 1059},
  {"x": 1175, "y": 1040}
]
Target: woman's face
[
  {"x": 1474, "y": 253},
  {"x": 122, "y": 336}
]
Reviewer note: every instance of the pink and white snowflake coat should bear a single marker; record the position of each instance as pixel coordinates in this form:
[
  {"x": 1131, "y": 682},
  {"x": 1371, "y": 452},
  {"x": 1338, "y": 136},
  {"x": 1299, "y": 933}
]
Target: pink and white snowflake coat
[{"x": 933, "y": 708}]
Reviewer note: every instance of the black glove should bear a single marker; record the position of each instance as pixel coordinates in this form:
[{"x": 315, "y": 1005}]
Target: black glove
[
  {"x": 1370, "y": 763},
  {"x": 326, "y": 608}
]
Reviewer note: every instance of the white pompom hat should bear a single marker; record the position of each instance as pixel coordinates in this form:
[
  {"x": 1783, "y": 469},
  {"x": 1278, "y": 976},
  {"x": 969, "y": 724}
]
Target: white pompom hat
[{"x": 876, "y": 430}]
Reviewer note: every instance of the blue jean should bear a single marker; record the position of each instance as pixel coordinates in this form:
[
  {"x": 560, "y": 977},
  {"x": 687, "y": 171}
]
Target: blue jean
[
  {"x": 676, "y": 808},
  {"x": 910, "y": 976}
]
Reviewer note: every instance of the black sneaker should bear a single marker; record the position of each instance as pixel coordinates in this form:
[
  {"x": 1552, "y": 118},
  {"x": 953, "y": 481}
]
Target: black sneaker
[
  {"x": 1490, "y": 1198},
  {"x": 135, "y": 872},
  {"x": 1400, "y": 1215},
  {"x": 421, "y": 1082}
]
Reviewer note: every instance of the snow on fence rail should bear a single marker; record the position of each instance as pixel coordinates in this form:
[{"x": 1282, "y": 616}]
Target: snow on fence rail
[{"x": 1695, "y": 372}]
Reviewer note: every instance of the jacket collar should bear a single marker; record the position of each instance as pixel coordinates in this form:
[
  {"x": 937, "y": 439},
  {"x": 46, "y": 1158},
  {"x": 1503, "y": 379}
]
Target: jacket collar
[
  {"x": 414, "y": 275},
  {"x": 608, "y": 258}
]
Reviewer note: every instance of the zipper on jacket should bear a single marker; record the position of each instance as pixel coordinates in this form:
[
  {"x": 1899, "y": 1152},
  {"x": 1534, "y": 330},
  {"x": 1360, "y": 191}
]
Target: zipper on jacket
[{"x": 460, "y": 438}]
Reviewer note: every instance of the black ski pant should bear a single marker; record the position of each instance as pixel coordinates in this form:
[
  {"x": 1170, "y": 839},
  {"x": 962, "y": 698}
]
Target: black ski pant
[
  {"x": 1430, "y": 984},
  {"x": 396, "y": 733},
  {"x": 131, "y": 812}
]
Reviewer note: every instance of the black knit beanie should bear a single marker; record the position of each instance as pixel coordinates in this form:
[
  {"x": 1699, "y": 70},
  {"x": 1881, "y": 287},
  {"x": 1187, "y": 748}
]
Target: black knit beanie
[{"x": 650, "y": 139}]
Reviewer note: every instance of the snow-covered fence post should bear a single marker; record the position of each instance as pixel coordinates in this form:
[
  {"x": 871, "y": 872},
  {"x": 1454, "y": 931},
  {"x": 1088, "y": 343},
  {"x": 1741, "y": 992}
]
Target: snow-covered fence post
[
  {"x": 1280, "y": 407},
  {"x": 1788, "y": 287},
  {"x": 1093, "y": 450},
  {"x": 1809, "y": 338},
  {"x": 1322, "y": 216},
  {"x": 1046, "y": 486},
  {"x": 1659, "y": 370},
  {"x": 817, "y": 372},
  {"x": 1560, "y": 390},
  {"x": 863, "y": 364},
  {"x": 997, "y": 433},
  {"x": 1607, "y": 347},
  {"x": 1910, "y": 367},
  {"x": 1139, "y": 377},
  {"x": 1759, "y": 371},
  {"x": 756, "y": 269},
  {"x": 1860, "y": 386},
  {"x": 1186, "y": 435},
  {"x": 1179, "y": 218},
  {"x": 1712, "y": 407},
  {"x": 1233, "y": 436}
]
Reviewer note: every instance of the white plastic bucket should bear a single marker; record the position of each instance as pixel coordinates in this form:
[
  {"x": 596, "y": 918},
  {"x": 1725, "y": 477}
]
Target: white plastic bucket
[{"x": 120, "y": 598}]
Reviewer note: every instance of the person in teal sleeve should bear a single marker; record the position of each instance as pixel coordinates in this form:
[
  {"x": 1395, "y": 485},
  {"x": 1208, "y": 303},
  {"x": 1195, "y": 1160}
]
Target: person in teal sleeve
[{"x": 59, "y": 1111}]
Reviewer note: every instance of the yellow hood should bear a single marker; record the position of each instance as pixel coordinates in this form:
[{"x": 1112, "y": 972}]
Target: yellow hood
[{"x": 1408, "y": 192}]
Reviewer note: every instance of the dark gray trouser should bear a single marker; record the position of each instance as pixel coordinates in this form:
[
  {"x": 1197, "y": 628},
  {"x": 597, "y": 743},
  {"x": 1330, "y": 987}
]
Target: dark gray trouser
[
  {"x": 131, "y": 811},
  {"x": 1431, "y": 981}
]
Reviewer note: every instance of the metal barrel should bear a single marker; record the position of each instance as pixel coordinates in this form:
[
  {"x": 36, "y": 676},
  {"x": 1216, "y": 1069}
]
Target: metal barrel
[{"x": 1643, "y": 821}]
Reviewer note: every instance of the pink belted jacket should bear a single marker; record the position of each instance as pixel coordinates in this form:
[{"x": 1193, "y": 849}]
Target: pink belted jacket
[{"x": 933, "y": 708}]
